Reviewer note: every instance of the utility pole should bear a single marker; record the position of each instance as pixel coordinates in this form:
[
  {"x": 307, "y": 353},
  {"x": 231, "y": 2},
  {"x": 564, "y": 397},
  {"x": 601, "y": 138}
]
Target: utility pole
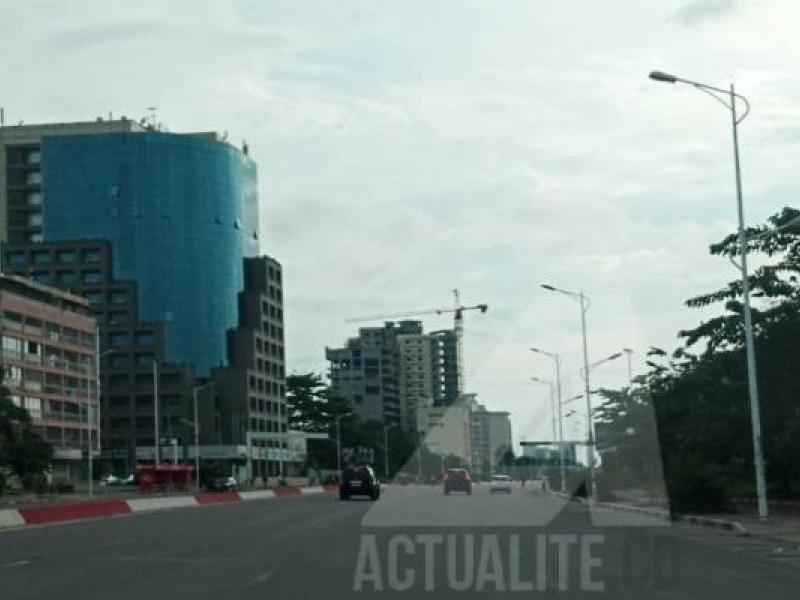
[
  {"x": 156, "y": 423},
  {"x": 629, "y": 352}
]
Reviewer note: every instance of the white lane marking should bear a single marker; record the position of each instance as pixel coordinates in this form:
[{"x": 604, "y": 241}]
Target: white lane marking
[{"x": 15, "y": 564}]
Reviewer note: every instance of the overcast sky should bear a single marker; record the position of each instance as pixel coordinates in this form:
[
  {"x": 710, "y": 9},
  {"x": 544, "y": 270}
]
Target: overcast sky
[{"x": 409, "y": 148}]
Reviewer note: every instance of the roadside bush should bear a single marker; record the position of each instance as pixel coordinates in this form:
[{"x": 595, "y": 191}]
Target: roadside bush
[
  {"x": 62, "y": 486},
  {"x": 697, "y": 487},
  {"x": 37, "y": 484}
]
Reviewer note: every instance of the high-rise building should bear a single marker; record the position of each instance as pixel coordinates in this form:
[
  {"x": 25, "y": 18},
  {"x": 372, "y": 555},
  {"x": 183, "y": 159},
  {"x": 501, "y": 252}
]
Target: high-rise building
[
  {"x": 366, "y": 371},
  {"x": 490, "y": 435},
  {"x": 48, "y": 360},
  {"x": 130, "y": 348},
  {"x": 249, "y": 404},
  {"x": 390, "y": 373},
  {"x": 181, "y": 211},
  {"x": 444, "y": 355},
  {"x": 416, "y": 376},
  {"x": 21, "y": 172}
]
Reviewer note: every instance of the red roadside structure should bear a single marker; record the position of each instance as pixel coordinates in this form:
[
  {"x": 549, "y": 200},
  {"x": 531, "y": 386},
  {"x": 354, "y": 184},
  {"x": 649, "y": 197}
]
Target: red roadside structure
[{"x": 152, "y": 478}]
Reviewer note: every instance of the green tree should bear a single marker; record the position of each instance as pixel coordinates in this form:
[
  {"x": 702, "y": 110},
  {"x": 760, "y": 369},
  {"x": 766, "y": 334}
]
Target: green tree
[
  {"x": 22, "y": 449},
  {"x": 312, "y": 407},
  {"x": 699, "y": 393}
]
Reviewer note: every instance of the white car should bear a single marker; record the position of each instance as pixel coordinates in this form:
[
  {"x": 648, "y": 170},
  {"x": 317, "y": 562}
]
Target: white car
[{"x": 500, "y": 483}]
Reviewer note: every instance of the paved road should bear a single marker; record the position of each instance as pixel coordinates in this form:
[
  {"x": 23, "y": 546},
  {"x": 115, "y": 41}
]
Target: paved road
[{"x": 414, "y": 537}]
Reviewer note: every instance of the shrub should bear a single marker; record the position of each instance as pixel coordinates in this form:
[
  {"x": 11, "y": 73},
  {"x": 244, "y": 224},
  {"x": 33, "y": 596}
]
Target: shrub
[
  {"x": 37, "y": 484},
  {"x": 62, "y": 486},
  {"x": 696, "y": 487}
]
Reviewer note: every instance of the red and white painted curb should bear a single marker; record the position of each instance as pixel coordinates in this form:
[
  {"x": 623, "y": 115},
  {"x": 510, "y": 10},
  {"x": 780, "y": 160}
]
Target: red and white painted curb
[{"x": 53, "y": 513}]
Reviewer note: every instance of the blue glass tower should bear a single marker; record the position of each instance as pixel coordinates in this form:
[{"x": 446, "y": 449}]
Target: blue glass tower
[{"x": 181, "y": 211}]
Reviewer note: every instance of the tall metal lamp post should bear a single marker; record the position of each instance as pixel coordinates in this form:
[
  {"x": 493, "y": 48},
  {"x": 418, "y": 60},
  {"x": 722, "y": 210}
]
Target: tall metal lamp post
[{"x": 729, "y": 98}]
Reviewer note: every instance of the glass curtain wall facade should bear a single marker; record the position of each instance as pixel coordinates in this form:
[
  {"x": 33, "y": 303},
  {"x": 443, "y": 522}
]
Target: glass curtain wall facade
[{"x": 181, "y": 211}]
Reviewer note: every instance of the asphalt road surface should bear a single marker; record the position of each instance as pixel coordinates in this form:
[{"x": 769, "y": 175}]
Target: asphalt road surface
[{"x": 414, "y": 542}]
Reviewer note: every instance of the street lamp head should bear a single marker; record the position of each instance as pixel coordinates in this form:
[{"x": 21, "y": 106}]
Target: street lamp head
[
  {"x": 548, "y": 287},
  {"x": 614, "y": 356},
  {"x": 628, "y": 350},
  {"x": 663, "y": 77}
]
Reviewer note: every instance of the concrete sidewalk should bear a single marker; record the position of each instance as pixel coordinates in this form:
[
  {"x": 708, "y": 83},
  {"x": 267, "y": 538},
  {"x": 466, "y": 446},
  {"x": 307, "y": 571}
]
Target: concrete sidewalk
[{"x": 783, "y": 524}]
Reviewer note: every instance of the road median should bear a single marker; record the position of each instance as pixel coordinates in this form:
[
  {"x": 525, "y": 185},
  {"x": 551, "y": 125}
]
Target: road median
[{"x": 94, "y": 509}]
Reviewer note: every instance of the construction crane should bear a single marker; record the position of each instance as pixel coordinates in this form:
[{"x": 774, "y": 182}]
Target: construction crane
[{"x": 458, "y": 310}]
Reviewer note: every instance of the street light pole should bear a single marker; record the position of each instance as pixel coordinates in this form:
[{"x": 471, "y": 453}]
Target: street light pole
[
  {"x": 195, "y": 390},
  {"x": 583, "y": 300},
  {"x": 386, "y": 450},
  {"x": 557, "y": 359},
  {"x": 752, "y": 378},
  {"x": 629, "y": 352},
  {"x": 281, "y": 442},
  {"x": 590, "y": 493},
  {"x": 155, "y": 414},
  {"x": 557, "y": 440}
]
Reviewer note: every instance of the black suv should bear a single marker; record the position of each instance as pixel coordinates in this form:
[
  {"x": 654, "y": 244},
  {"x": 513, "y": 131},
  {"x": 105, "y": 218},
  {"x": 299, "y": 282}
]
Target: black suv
[
  {"x": 457, "y": 480},
  {"x": 359, "y": 481}
]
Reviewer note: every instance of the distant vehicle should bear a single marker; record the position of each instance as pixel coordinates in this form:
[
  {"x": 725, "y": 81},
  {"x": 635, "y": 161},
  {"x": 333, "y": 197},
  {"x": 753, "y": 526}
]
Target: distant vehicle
[
  {"x": 129, "y": 480},
  {"x": 457, "y": 480},
  {"x": 500, "y": 483},
  {"x": 111, "y": 481},
  {"x": 359, "y": 481},
  {"x": 222, "y": 484}
]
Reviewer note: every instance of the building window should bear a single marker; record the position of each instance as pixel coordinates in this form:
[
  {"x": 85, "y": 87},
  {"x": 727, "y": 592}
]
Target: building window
[
  {"x": 33, "y": 326},
  {"x": 144, "y": 360},
  {"x": 91, "y": 255},
  {"x": 118, "y": 360},
  {"x": 15, "y": 258},
  {"x": 12, "y": 347},
  {"x": 70, "y": 336},
  {"x": 35, "y": 219},
  {"x": 91, "y": 276},
  {"x": 117, "y": 340},
  {"x": 67, "y": 277},
  {"x": 12, "y": 376},
  {"x": 42, "y": 277},
  {"x": 34, "y": 408},
  {"x": 120, "y": 402},
  {"x": 34, "y": 178},
  {"x": 117, "y": 317},
  {"x": 32, "y": 380},
  {"x": 119, "y": 380},
  {"x": 66, "y": 256},
  {"x": 117, "y": 297},
  {"x": 35, "y": 237},
  {"x": 144, "y": 403},
  {"x": 53, "y": 332},
  {"x": 35, "y": 199},
  {"x": 120, "y": 422},
  {"x": 93, "y": 296},
  {"x": 33, "y": 354},
  {"x": 144, "y": 338}
]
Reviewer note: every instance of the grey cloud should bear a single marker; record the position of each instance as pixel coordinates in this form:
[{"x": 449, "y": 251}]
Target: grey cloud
[
  {"x": 102, "y": 33},
  {"x": 698, "y": 11}
]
